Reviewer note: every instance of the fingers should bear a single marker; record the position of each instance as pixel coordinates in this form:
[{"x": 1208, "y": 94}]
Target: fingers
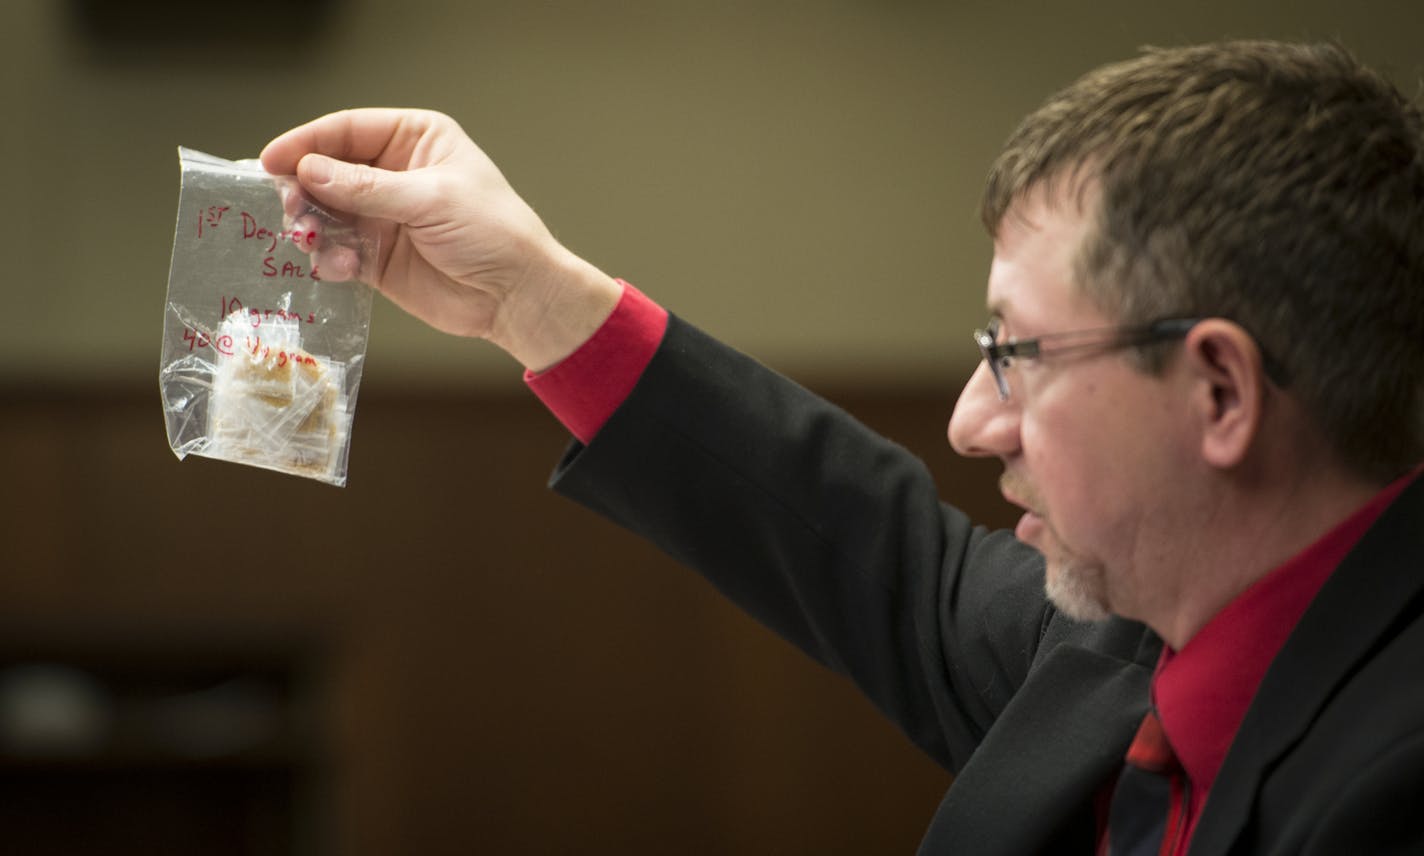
[
  {"x": 362, "y": 190},
  {"x": 364, "y": 135},
  {"x": 340, "y": 264},
  {"x": 366, "y": 161},
  {"x": 338, "y": 256},
  {"x": 341, "y": 248}
]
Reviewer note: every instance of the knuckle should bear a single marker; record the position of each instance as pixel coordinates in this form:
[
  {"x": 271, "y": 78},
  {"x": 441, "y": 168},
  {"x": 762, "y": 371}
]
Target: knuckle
[{"x": 362, "y": 180}]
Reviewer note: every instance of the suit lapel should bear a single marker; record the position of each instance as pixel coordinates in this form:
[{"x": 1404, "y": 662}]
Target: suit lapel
[
  {"x": 1057, "y": 742},
  {"x": 1353, "y": 610}
]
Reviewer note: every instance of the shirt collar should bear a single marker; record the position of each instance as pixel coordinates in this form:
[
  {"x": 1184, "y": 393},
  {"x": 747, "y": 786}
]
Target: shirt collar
[{"x": 1202, "y": 692}]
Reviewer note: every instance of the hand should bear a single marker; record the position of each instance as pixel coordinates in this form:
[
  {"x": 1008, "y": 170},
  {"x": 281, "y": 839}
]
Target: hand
[{"x": 459, "y": 249}]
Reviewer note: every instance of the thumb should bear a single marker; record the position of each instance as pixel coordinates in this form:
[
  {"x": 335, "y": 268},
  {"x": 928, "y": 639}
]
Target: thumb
[{"x": 360, "y": 189}]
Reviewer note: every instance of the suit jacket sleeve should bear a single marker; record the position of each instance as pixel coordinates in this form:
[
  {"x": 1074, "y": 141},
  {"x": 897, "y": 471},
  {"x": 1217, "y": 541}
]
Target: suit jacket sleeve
[{"x": 824, "y": 531}]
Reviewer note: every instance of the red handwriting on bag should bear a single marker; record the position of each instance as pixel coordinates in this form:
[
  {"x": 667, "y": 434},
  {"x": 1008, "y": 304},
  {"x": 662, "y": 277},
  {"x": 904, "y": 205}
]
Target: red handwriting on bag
[{"x": 211, "y": 218}]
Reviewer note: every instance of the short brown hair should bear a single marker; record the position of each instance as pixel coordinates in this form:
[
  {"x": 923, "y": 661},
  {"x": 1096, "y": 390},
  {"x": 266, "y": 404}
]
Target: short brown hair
[{"x": 1278, "y": 185}]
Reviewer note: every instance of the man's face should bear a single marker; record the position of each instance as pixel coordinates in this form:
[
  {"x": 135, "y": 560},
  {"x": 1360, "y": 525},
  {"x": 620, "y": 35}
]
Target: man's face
[{"x": 1092, "y": 447}]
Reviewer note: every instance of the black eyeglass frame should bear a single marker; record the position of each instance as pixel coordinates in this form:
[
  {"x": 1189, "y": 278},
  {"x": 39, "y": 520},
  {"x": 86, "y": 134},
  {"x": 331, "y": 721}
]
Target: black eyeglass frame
[{"x": 999, "y": 355}]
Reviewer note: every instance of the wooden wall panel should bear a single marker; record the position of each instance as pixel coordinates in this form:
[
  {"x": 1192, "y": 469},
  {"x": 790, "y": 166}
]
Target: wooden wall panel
[{"x": 481, "y": 666}]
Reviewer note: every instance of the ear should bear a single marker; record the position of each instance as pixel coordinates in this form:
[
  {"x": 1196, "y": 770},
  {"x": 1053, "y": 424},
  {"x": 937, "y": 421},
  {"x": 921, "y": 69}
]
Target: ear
[{"x": 1229, "y": 385}]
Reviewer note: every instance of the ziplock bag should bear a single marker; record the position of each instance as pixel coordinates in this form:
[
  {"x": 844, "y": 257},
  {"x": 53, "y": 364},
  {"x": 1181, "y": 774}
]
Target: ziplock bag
[{"x": 265, "y": 329}]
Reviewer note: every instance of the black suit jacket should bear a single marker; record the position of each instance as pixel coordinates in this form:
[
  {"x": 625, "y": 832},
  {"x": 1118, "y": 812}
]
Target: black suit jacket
[{"x": 836, "y": 539}]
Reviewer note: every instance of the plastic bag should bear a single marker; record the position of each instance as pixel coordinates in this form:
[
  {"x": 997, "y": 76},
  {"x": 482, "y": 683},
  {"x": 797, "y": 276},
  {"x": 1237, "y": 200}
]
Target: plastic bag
[{"x": 262, "y": 353}]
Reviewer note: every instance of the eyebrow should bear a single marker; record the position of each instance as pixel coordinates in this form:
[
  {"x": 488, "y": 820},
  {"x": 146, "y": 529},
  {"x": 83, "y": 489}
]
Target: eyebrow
[{"x": 997, "y": 312}]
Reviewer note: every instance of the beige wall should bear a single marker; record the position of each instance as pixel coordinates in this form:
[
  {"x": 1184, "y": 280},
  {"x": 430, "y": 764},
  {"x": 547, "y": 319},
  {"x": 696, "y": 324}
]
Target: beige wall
[{"x": 800, "y": 177}]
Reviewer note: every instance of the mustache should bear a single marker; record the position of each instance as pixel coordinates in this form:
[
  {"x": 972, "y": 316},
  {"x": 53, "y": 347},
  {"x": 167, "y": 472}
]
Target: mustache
[{"x": 1016, "y": 487}]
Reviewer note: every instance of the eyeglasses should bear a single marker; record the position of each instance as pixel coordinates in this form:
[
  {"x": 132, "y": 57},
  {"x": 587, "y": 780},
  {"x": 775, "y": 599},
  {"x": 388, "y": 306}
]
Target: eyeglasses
[{"x": 1000, "y": 355}]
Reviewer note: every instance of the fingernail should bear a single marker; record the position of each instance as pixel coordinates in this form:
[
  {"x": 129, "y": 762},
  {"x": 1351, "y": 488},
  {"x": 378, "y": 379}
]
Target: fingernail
[{"x": 318, "y": 169}]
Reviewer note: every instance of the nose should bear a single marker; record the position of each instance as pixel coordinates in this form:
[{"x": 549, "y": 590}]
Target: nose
[{"x": 982, "y": 425}]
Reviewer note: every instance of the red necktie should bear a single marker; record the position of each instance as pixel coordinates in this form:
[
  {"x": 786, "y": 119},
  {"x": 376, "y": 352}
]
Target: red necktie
[{"x": 1148, "y": 808}]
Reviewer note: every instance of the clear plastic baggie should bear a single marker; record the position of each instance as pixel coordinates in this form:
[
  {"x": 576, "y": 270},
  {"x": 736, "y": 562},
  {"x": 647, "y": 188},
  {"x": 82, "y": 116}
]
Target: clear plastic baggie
[{"x": 266, "y": 325}]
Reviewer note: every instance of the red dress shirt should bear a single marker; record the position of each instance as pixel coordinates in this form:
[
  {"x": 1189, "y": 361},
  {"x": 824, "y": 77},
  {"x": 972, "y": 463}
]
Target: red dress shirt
[
  {"x": 1202, "y": 692},
  {"x": 586, "y": 387}
]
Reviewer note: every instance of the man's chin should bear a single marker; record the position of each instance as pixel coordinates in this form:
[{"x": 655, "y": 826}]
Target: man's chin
[{"x": 1077, "y": 589}]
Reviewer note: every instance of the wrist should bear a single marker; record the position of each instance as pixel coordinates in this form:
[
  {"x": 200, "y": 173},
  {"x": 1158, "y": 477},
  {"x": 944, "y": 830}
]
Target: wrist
[{"x": 555, "y": 311}]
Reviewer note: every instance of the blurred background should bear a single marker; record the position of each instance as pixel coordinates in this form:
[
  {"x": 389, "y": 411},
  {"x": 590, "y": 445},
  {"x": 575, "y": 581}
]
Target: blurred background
[{"x": 443, "y": 657}]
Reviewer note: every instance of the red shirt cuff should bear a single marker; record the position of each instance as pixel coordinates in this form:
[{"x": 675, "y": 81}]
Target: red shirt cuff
[{"x": 586, "y": 387}]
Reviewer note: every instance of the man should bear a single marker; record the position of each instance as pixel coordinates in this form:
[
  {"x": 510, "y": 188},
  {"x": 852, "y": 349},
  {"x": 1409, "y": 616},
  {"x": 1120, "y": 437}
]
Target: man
[{"x": 1203, "y": 376}]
